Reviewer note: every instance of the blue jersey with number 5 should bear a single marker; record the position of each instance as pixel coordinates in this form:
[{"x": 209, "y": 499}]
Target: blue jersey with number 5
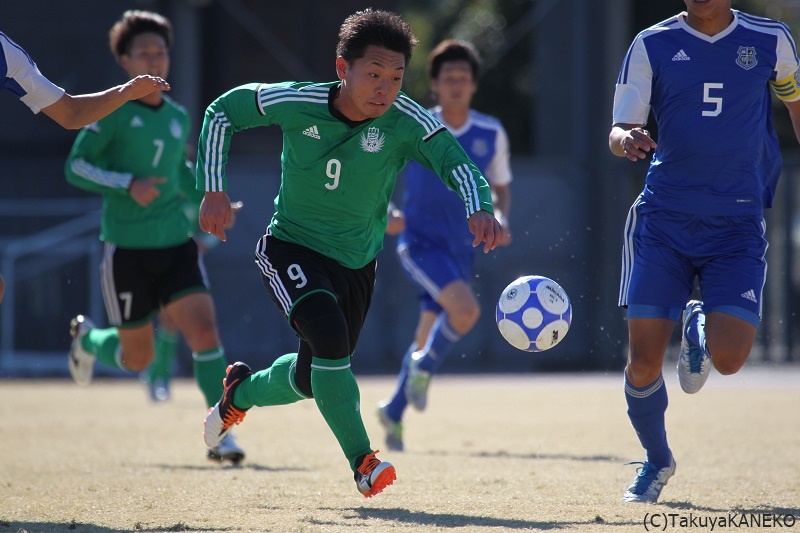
[{"x": 717, "y": 151}]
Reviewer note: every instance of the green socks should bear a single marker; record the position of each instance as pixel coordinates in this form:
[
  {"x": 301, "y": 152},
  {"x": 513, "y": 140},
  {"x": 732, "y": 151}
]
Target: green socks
[
  {"x": 209, "y": 371},
  {"x": 273, "y": 386},
  {"x": 338, "y": 399},
  {"x": 104, "y": 345},
  {"x": 166, "y": 349},
  {"x": 335, "y": 392}
]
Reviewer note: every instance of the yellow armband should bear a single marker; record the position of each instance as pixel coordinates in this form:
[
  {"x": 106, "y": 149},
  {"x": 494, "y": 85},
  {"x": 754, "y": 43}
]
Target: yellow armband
[{"x": 787, "y": 89}]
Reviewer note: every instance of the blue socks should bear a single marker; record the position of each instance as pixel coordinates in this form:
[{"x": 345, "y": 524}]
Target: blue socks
[
  {"x": 440, "y": 340},
  {"x": 646, "y": 408},
  {"x": 397, "y": 404}
]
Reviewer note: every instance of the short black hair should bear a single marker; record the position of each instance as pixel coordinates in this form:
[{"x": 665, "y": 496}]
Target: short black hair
[
  {"x": 374, "y": 27},
  {"x": 133, "y": 23},
  {"x": 453, "y": 50}
]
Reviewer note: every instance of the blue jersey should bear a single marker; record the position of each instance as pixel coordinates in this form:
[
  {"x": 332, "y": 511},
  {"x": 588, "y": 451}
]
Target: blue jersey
[
  {"x": 433, "y": 213},
  {"x": 717, "y": 151},
  {"x": 19, "y": 74}
]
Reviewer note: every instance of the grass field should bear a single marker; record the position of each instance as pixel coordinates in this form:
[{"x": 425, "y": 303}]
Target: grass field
[{"x": 492, "y": 453}]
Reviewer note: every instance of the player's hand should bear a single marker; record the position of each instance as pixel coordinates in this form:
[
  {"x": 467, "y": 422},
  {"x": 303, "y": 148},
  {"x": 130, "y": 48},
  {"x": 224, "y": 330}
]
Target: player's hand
[
  {"x": 235, "y": 208},
  {"x": 637, "y": 143},
  {"x": 145, "y": 190},
  {"x": 396, "y": 222},
  {"x": 215, "y": 214},
  {"x": 486, "y": 229},
  {"x": 141, "y": 86}
]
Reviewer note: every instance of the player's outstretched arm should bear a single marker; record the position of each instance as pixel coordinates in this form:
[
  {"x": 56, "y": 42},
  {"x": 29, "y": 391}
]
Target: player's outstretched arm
[
  {"x": 486, "y": 229},
  {"x": 631, "y": 141},
  {"x": 74, "y": 112}
]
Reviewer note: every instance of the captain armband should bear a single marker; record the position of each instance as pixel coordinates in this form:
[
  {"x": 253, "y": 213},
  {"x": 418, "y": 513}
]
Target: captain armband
[{"x": 788, "y": 89}]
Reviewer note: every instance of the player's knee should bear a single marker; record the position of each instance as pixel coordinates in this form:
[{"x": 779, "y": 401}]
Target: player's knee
[
  {"x": 321, "y": 323},
  {"x": 302, "y": 380},
  {"x": 728, "y": 364},
  {"x": 201, "y": 340},
  {"x": 641, "y": 371},
  {"x": 463, "y": 320}
]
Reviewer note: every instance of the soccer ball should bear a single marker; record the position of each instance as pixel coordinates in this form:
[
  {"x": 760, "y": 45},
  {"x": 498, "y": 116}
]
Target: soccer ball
[{"x": 533, "y": 313}]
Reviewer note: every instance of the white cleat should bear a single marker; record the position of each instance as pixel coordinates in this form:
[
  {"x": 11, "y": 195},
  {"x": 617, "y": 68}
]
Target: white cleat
[
  {"x": 646, "y": 488},
  {"x": 374, "y": 475},
  {"x": 79, "y": 361},
  {"x": 694, "y": 364},
  {"x": 227, "y": 450}
]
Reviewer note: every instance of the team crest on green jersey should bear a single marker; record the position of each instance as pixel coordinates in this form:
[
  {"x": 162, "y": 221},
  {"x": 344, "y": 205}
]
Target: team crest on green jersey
[
  {"x": 372, "y": 141},
  {"x": 747, "y": 57},
  {"x": 175, "y": 128}
]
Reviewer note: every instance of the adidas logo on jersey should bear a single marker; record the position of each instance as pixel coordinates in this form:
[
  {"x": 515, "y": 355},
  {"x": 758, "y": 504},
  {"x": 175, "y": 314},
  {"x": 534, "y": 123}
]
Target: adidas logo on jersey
[
  {"x": 681, "y": 56},
  {"x": 136, "y": 122},
  {"x": 312, "y": 132},
  {"x": 750, "y": 295}
]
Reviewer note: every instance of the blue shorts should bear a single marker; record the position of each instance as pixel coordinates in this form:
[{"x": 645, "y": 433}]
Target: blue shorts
[
  {"x": 433, "y": 268},
  {"x": 664, "y": 251}
]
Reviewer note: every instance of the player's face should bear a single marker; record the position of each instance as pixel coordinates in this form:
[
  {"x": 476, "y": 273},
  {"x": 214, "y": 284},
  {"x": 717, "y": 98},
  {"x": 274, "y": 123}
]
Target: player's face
[
  {"x": 369, "y": 84},
  {"x": 455, "y": 85},
  {"x": 707, "y": 7},
  {"x": 148, "y": 54}
]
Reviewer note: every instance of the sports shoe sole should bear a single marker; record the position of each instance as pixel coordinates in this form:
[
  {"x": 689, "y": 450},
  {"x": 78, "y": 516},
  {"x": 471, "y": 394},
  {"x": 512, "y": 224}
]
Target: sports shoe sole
[
  {"x": 214, "y": 454},
  {"x": 385, "y": 477},
  {"x": 691, "y": 382},
  {"x": 213, "y": 432},
  {"x": 631, "y": 497},
  {"x": 80, "y": 362}
]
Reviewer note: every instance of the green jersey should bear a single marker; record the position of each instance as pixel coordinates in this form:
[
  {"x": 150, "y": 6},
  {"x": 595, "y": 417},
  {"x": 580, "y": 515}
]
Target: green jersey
[
  {"x": 337, "y": 175},
  {"x": 138, "y": 141}
]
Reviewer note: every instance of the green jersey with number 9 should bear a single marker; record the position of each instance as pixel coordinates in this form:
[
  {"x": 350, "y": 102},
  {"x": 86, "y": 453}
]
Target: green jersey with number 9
[{"x": 337, "y": 175}]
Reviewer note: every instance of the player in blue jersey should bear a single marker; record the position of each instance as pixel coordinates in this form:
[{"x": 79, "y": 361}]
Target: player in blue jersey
[
  {"x": 435, "y": 249},
  {"x": 20, "y": 75},
  {"x": 706, "y": 75}
]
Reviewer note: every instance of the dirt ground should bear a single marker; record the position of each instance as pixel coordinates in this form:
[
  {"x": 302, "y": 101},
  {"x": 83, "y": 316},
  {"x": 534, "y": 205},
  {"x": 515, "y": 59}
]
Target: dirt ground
[{"x": 491, "y": 453}]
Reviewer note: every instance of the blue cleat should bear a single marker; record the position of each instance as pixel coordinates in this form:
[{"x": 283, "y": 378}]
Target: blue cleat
[
  {"x": 646, "y": 488},
  {"x": 394, "y": 429},
  {"x": 417, "y": 383}
]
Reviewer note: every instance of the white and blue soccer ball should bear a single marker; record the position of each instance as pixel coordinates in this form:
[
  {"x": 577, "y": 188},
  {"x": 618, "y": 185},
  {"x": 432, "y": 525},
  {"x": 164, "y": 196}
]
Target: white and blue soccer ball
[{"x": 534, "y": 313}]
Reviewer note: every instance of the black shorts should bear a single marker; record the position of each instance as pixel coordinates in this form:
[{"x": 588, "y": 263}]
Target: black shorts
[
  {"x": 292, "y": 272},
  {"x": 136, "y": 283}
]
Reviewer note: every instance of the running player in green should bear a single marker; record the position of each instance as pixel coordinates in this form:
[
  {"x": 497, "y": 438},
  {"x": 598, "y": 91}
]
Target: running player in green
[
  {"x": 344, "y": 143},
  {"x": 20, "y": 76},
  {"x": 136, "y": 159}
]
